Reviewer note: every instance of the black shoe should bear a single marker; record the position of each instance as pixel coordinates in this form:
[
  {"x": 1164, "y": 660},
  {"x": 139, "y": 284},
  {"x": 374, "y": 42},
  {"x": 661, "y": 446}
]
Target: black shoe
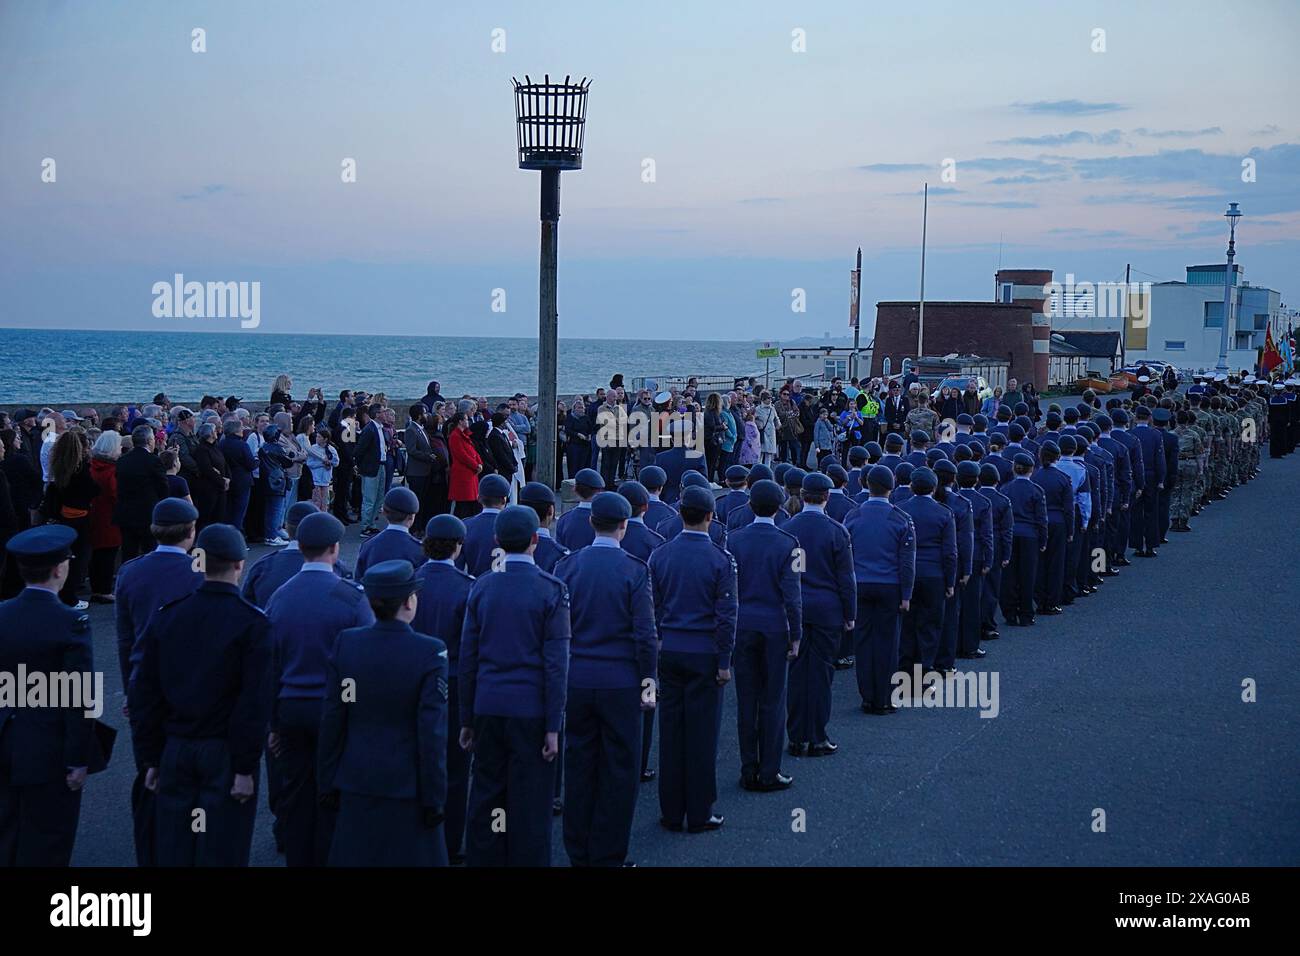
[
  {"x": 1123, "y": 563},
  {"x": 824, "y": 749},
  {"x": 557, "y": 807},
  {"x": 749, "y": 782},
  {"x": 973, "y": 655},
  {"x": 1144, "y": 554},
  {"x": 843, "y": 663},
  {"x": 671, "y": 827},
  {"x": 713, "y": 823},
  {"x": 647, "y": 776},
  {"x": 884, "y": 711},
  {"x": 1109, "y": 573},
  {"x": 1181, "y": 527},
  {"x": 798, "y": 750},
  {"x": 629, "y": 864},
  {"x": 369, "y": 532},
  {"x": 1049, "y": 611},
  {"x": 781, "y": 781}
]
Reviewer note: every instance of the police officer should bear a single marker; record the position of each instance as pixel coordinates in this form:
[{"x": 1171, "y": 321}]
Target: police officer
[
  {"x": 395, "y": 542},
  {"x": 144, "y": 584},
  {"x": 695, "y": 611},
  {"x": 444, "y": 590},
  {"x": 514, "y": 660},
  {"x": 935, "y": 528},
  {"x": 573, "y": 530},
  {"x": 541, "y": 499},
  {"x": 612, "y": 671},
  {"x": 1028, "y": 543},
  {"x": 275, "y": 567},
  {"x": 199, "y": 710},
  {"x": 480, "y": 541},
  {"x": 829, "y": 596},
  {"x": 383, "y": 734},
  {"x": 884, "y": 564},
  {"x": 44, "y": 751},
  {"x": 307, "y": 613}
]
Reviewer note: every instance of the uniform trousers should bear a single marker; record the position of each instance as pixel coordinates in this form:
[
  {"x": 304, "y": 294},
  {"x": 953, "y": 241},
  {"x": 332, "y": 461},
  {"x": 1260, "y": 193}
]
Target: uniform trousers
[
  {"x": 1117, "y": 543},
  {"x": 761, "y": 664},
  {"x": 946, "y": 656},
  {"x": 690, "y": 717},
  {"x": 38, "y": 822},
  {"x": 990, "y": 594},
  {"x": 922, "y": 624},
  {"x": 306, "y": 827},
  {"x": 1162, "y": 514},
  {"x": 509, "y": 822},
  {"x": 197, "y": 775},
  {"x": 811, "y": 676},
  {"x": 602, "y": 759},
  {"x": 385, "y": 831},
  {"x": 1018, "y": 580},
  {"x": 1051, "y": 571},
  {"x": 1070, "y": 588},
  {"x": 875, "y": 641},
  {"x": 970, "y": 614},
  {"x": 458, "y": 761}
]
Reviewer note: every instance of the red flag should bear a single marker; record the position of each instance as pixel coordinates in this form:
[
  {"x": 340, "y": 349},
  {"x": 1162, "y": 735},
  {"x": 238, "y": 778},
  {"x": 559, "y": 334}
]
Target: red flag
[{"x": 1272, "y": 358}]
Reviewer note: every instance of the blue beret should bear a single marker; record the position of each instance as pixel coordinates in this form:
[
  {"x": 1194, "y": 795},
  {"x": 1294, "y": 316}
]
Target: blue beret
[
  {"x": 390, "y": 579},
  {"x": 759, "y": 472},
  {"x": 875, "y": 451},
  {"x": 222, "y": 542},
  {"x": 697, "y": 497},
  {"x": 894, "y": 440},
  {"x": 1161, "y": 415},
  {"x": 445, "y": 527},
  {"x": 817, "y": 483},
  {"x": 1067, "y": 445},
  {"x": 694, "y": 478},
  {"x": 590, "y": 478},
  {"x": 766, "y": 495},
  {"x": 793, "y": 478},
  {"x": 1023, "y": 459},
  {"x": 319, "y": 530},
  {"x": 933, "y": 455},
  {"x": 919, "y": 437},
  {"x": 489, "y": 486},
  {"x": 299, "y": 510},
  {"x": 536, "y": 493},
  {"x": 516, "y": 525},
  {"x": 968, "y": 469},
  {"x": 925, "y": 479},
  {"x": 1050, "y": 445},
  {"x": 1053, "y": 420},
  {"x": 1022, "y": 408},
  {"x": 880, "y": 477},
  {"x": 989, "y": 474},
  {"x": 962, "y": 453},
  {"x": 943, "y": 467},
  {"x": 778, "y": 473},
  {"x": 174, "y": 511},
  {"x": 610, "y": 506},
  {"x": 964, "y": 419},
  {"x": 1142, "y": 412},
  {"x": 857, "y": 454},
  {"x": 997, "y": 439},
  {"x": 737, "y": 473},
  {"x": 1103, "y": 421},
  {"x": 1120, "y": 416},
  {"x": 1015, "y": 432},
  {"x": 634, "y": 492},
  {"x": 980, "y": 421},
  {"x": 825, "y": 461},
  {"x": 1025, "y": 422},
  {"x": 1071, "y": 414},
  {"x": 45, "y": 544},
  {"x": 837, "y": 474},
  {"x": 652, "y": 476}
]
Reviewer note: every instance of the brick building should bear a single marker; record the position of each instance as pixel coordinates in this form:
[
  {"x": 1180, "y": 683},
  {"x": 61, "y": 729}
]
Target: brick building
[{"x": 990, "y": 329}]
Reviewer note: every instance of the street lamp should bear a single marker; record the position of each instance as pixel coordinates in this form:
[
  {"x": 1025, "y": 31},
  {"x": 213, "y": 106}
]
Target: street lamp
[
  {"x": 550, "y": 119},
  {"x": 1232, "y": 215}
]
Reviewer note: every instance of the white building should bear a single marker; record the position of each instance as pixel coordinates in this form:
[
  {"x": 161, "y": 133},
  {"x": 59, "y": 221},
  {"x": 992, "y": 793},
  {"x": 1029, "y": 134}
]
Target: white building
[{"x": 821, "y": 363}]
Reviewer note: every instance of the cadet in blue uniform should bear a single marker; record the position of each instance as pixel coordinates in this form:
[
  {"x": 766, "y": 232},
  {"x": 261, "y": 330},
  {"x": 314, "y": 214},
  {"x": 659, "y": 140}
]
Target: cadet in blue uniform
[
  {"x": 541, "y": 499},
  {"x": 695, "y": 610},
  {"x": 200, "y": 708},
  {"x": 514, "y": 662},
  {"x": 307, "y": 613},
  {"x": 144, "y": 584},
  {"x": 1136, "y": 511},
  {"x": 742, "y": 515},
  {"x": 737, "y": 477},
  {"x": 395, "y": 542},
  {"x": 44, "y": 751},
  {"x": 383, "y": 735},
  {"x": 936, "y": 572},
  {"x": 946, "y": 492},
  {"x": 1081, "y": 491},
  {"x": 612, "y": 671},
  {"x": 638, "y": 540},
  {"x": 1118, "y": 526},
  {"x": 1058, "y": 495},
  {"x": 1163, "y": 418},
  {"x": 839, "y": 505},
  {"x": 902, "y": 484},
  {"x": 1028, "y": 543},
  {"x": 1003, "y": 531},
  {"x": 972, "y": 596},
  {"x": 884, "y": 564},
  {"x": 444, "y": 592},
  {"x": 829, "y": 595},
  {"x": 769, "y": 628},
  {"x": 1152, "y": 452},
  {"x": 856, "y": 480},
  {"x": 573, "y": 530},
  {"x": 653, "y": 478},
  {"x": 672, "y": 527},
  {"x": 274, "y": 568},
  {"x": 480, "y": 530}
]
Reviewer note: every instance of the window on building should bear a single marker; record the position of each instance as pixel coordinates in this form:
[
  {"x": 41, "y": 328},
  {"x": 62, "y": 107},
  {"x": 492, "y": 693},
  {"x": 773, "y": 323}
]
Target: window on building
[
  {"x": 1214, "y": 315},
  {"x": 1005, "y": 295},
  {"x": 1245, "y": 340},
  {"x": 836, "y": 368},
  {"x": 1175, "y": 345},
  {"x": 1261, "y": 321}
]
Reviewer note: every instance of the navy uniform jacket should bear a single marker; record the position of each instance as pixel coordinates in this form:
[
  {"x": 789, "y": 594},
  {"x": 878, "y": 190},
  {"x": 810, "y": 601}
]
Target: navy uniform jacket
[
  {"x": 917, "y": 458},
  {"x": 1171, "y": 456},
  {"x": 695, "y": 597},
  {"x": 1058, "y": 494},
  {"x": 145, "y": 584},
  {"x": 390, "y": 738},
  {"x": 41, "y": 633},
  {"x": 673, "y": 526},
  {"x": 1137, "y": 473},
  {"x": 827, "y": 584},
  {"x": 767, "y": 585},
  {"x": 306, "y": 614},
  {"x": 657, "y": 513},
  {"x": 394, "y": 543},
  {"x": 270, "y": 571},
  {"x": 1028, "y": 509},
  {"x": 961, "y": 512},
  {"x": 936, "y": 538},
  {"x": 896, "y": 497},
  {"x": 982, "y": 515},
  {"x": 1102, "y": 461},
  {"x": 854, "y": 484},
  {"x": 548, "y": 552},
  {"x": 203, "y": 673},
  {"x": 574, "y": 530},
  {"x": 732, "y": 499},
  {"x": 890, "y": 461},
  {"x": 839, "y": 505},
  {"x": 1003, "y": 522},
  {"x": 640, "y": 541},
  {"x": 744, "y": 515},
  {"x": 948, "y": 448},
  {"x": 480, "y": 541},
  {"x": 884, "y": 546},
  {"x": 514, "y": 647},
  {"x": 1120, "y": 466},
  {"x": 441, "y": 609},
  {"x": 1153, "y": 454},
  {"x": 612, "y": 617},
  {"x": 674, "y": 463},
  {"x": 1006, "y": 471}
]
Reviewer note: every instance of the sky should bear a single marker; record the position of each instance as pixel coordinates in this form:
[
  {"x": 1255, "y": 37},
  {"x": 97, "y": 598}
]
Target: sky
[{"x": 737, "y": 155}]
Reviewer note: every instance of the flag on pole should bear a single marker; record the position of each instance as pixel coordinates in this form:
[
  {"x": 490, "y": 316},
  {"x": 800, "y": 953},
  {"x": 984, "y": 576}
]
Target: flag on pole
[{"x": 1272, "y": 358}]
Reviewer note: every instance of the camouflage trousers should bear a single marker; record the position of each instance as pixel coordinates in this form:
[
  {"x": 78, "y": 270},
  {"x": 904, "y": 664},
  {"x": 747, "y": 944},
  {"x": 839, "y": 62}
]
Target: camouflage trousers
[{"x": 1188, "y": 490}]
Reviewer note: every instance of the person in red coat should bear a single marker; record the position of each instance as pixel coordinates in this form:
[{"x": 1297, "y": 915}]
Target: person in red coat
[
  {"x": 105, "y": 537},
  {"x": 466, "y": 466}
]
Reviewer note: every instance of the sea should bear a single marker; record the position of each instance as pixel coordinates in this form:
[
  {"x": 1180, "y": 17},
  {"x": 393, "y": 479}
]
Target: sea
[{"x": 58, "y": 366}]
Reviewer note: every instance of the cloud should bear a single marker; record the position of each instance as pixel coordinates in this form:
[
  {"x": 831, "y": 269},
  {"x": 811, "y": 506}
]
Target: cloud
[
  {"x": 893, "y": 168},
  {"x": 760, "y": 200},
  {"x": 1067, "y": 107},
  {"x": 1108, "y": 138},
  {"x": 998, "y": 204},
  {"x": 1269, "y": 130},
  {"x": 204, "y": 192},
  {"x": 1012, "y": 164},
  {"x": 1024, "y": 180},
  {"x": 1178, "y": 133}
]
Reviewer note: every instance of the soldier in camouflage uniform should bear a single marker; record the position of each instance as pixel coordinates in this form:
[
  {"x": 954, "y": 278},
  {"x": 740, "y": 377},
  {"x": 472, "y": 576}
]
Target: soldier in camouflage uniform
[
  {"x": 1189, "y": 473},
  {"x": 1220, "y": 450},
  {"x": 1205, "y": 425},
  {"x": 922, "y": 418}
]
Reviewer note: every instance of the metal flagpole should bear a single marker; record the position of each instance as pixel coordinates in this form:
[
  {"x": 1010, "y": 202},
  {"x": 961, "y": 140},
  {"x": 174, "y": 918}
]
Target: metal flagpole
[{"x": 920, "y": 323}]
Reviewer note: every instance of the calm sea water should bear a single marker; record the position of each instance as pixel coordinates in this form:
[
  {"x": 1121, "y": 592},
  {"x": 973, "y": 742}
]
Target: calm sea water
[{"x": 53, "y": 366}]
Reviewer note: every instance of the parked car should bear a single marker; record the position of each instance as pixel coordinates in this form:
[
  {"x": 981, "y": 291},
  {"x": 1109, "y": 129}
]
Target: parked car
[{"x": 959, "y": 382}]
